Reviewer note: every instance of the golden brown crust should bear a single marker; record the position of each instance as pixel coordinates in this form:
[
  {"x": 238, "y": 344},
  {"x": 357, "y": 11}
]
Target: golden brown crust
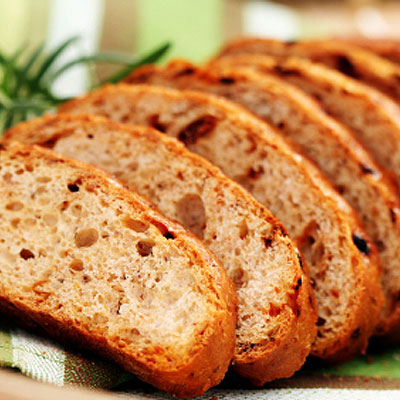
[
  {"x": 347, "y": 58},
  {"x": 386, "y": 48},
  {"x": 214, "y": 350},
  {"x": 259, "y": 360},
  {"x": 367, "y": 290},
  {"x": 354, "y": 149}
]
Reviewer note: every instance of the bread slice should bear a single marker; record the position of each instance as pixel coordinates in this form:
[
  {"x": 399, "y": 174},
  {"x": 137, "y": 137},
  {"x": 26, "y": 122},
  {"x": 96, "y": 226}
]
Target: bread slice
[
  {"x": 95, "y": 264},
  {"x": 347, "y": 58},
  {"x": 341, "y": 157},
  {"x": 370, "y": 114},
  {"x": 386, "y": 48},
  {"x": 277, "y": 316},
  {"x": 253, "y": 153}
]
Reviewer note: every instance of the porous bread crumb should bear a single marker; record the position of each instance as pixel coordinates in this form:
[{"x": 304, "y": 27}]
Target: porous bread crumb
[
  {"x": 254, "y": 155},
  {"x": 258, "y": 255},
  {"x": 72, "y": 263}
]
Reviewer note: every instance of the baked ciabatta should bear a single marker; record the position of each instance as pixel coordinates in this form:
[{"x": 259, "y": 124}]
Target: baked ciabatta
[
  {"x": 351, "y": 60},
  {"x": 338, "y": 251},
  {"x": 340, "y": 156},
  {"x": 95, "y": 265},
  {"x": 276, "y": 318}
]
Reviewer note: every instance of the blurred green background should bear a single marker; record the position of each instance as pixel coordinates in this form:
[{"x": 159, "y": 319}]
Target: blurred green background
[{"x": 196, "y": 28}]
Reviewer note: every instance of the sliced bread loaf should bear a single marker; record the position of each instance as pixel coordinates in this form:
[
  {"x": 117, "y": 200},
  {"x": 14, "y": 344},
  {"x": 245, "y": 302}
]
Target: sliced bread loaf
[
  {"x": 276, "y": 319},
  {"x": 370, "y": 114},
  {"x": 335, "y": 246},
  {"x": 386, "y": 48},
  {"x": 92, "y": 263},
  {"x": 340, "y": 156},
  {"x": 351, "y": 60}
]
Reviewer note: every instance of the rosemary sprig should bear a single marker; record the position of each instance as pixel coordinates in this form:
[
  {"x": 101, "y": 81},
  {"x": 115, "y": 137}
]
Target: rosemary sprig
[{"x": 26, "y": 87}]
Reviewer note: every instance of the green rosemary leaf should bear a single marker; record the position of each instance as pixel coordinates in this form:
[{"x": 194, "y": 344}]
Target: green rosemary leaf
[
  {"x": 148, "y": 59},
  {"x": 26, "y": 88},
  {"x": 5, "y": 100},
  {"x": 10, "y": 70},
  {"x": 104, "y": 57},
  {"x": 52, "y": 57},
  {"x": 24, "y": 71},
  {"x": 28, "y": 106}
]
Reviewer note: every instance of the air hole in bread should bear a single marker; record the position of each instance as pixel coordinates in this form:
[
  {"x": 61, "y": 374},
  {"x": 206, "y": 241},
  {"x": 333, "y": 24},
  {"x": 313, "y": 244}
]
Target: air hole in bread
[
  {"x": 169, "y": 235},
  {"x": 50, "y": 219},
  {"x": 43, "y": 179},
  {"x": 226, "y": 80},
  {"x": 19, "y": 171},
  {"x": 367, "y": 170},
  {"x": 356, "y": 333},
  {"x": 86, "y": 278},
  {"x": 73, "y": 187},
  {"x": 243, "y": 229},
  {"x": 30, "y": 221},
  {"x": 163, "y": 230},
  {"x": 274, "y": 310},
  {"x": 267, "y": 242},
  {"x": 26, "y": 254},
  {"x": 132, "y": 166},
  {"x": 76, "y": 265},
  {"x": 15, "y": 222},
  {"x": 124, "y": 119},
  {"x": 380, "y": 245},
  {"x": 145, "y": 247},
  {"x": 76, "y": 210},
  {"x": 239, "y": 277},
  {"x": 29, "y": 167},
  {"x": 14, "y": 206},
  {"x": 255, "y": 172},
  {"x": 154, "y": 121},
  {"x": 64, "y": 205},
  {"x": 361, "y": 244},
  {"x": 345, "y": 66},
  {"x": 7, "y": 177},
  {"x": 191, "y": 213},
  {"x": 196, "y": 129},
  {"x": 185, "y": 72},
  {"x": 49, "y": 143},
  {"x": 135, "y": 224},
  {"x": 317, "y": 251},
  {"x": 86, "y": 237},
  {"x": 312, "y": 248},
  {"x": 300, "y": 260},
  {"x": 281, "y": 125},
  {"x": 321, "y": 321}
]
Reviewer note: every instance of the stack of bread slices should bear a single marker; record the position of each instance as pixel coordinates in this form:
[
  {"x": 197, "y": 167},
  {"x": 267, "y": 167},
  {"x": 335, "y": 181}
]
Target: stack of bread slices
[{"x": 242, "y": 214}]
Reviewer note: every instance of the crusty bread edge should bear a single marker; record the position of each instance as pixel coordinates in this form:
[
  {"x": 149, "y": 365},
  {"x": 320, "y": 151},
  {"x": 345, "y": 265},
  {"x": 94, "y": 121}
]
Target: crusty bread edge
[
  {"x": 261, "y": 362},
  {"x": 211, "y": 359},
  {"x": 369, "y": 278}
]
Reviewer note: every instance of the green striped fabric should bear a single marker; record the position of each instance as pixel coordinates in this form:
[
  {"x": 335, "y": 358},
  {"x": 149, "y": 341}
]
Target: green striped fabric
[
  {"x": 46, "y": 361},
  {"x": 49, "y": 362}
]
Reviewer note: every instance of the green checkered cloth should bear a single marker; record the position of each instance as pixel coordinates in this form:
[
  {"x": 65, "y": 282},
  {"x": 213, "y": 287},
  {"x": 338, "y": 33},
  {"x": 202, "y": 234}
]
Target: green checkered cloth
[{"x": 46, "y": 361}]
